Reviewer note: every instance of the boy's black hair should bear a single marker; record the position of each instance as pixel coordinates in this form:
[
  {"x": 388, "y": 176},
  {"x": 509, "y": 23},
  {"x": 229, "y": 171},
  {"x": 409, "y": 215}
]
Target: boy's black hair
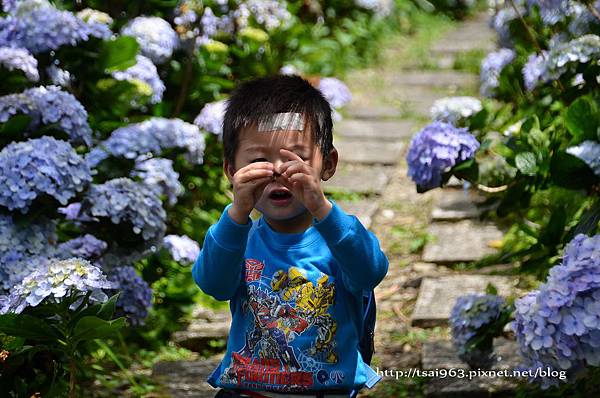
[{"x": 257, "y": 100}]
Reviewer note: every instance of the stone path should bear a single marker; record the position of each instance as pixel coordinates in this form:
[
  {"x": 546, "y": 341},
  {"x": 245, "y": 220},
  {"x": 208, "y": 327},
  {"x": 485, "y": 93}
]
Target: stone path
[{"x": 419, "y": 290}]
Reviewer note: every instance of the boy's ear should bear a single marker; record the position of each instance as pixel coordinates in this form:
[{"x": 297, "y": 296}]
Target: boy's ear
[
  {"x": 329, "y": 165},
  {"x": 229, "y": 170}
]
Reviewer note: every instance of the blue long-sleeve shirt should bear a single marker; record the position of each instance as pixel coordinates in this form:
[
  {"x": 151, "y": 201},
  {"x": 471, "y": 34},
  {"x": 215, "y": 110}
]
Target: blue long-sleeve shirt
[{"x": 296, "y": 301}]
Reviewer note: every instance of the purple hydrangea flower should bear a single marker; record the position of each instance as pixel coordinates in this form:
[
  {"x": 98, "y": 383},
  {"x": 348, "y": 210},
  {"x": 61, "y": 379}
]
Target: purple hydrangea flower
[
  {"x": 156, "y": 37},
  {"x": 58, "y": 76},
  {"x": 122, "y": 200},
  {"x": 454, "y": 109},
  {"x": 151, "y": 136},
  {"x": 20, "y": 59},
  {"x": 558, "y": 325},
  {"x": 87, "y": 246},
  {"x": 335, "y": 91},
  {"x": 136, "y": 295},
  {"x": 39, "y": 27},
  {"x": 534, "y": 69},
  {"x": 435, "y": 148},
  {"x": 491, "y": 67},
  {"x": 211, "y": 116},
  {"x": 40, "y": 166},
  {"x": 143, "y": 71},
  {"x": 182, "y": 248},
  {"x": 589, "y": 152},
  {"x": 159, "y": 175},
  {"x": 269, "y": 13},
  {"x": 55, "y": 281},
  {"x": 501, "y": 21},
  {"x": 551, "y": 11},
  {"x": 49, "y": 105}
]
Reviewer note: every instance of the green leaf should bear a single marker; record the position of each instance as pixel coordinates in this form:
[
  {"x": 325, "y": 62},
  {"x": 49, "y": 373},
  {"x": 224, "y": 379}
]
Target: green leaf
[
  {"x": 26, "y": 326},
  {"x": 107, "y": 309},
  {"x": 582, "y": 119},
  {"x": 15, "y": 124},
  {"x": 525, "y": 162},
  {"x": 553, "y": 231},
  {"x": 571, "y": 172},
  {"x": 491, "y": 289},
  {"x": 119, "y": 54},
  {"x": 92, "y": 327}
]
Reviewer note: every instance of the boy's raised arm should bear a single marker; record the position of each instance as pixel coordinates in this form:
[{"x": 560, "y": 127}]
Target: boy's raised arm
[
  {"x": 218, "y": 268},
  {"x": 357, "y": 250}
]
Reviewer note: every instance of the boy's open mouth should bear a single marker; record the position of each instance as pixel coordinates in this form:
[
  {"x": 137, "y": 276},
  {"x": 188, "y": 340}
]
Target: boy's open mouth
[{"x": 280, "y": 197}]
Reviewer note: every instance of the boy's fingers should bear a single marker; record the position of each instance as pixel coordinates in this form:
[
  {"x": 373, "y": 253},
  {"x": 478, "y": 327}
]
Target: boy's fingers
[
  {"x": 291, "y": 154},
  {"x": 253, "y": 174},
  {"x": 256, "y": 166},
  {"x": 297, "y": 168}
]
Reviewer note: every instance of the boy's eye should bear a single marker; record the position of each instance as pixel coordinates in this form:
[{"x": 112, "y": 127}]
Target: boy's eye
[{"x": 259, "y": 160}]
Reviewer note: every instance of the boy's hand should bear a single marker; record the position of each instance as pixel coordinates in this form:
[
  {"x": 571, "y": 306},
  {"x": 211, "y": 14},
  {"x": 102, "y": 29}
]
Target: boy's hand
[
  {"x": 249, "y": 183},
  {"x": 305, "y": 184}
]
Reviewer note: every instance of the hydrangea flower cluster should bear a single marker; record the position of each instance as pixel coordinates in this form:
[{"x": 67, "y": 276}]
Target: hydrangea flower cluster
[
  {"x": 582, "y": 19},
  {"x": 40, "y": 166},
  {"x": 151, "y": 136},
  {"x": 159, "y": 175},
  {"x": 491, "y": 67},
  {"x": 90, "y": 15},
  {"x": 435, "y": 148},
  {"x": 143, "y": 71},
  {"x": 39, "y": 27},
  {"x": 49, "y": 105},
  {"x": 470, "y": 314},
  {"x": 136, "y": 296},
  {"x": 551, "y": 11},
  {"x": 335, "y": 91},
  {"x": 123, "y": 200},
  {"x": 87, "y": 246},
  {"x": 589, "y": 152},
  {"x": 182, "y": 248},
  {"x": 58, "y": 76},
  {"x": 558, "y": 325},
  {"x": 534, "y": 69},
  {"x": 59, "y": 279},
  {"x": 24, "y": 248},
  {"x": 156, "y": 37},
  {"x": 271, "y": 14},
  {"x": 454, "y": 109},
  {"x": 20, "y": 59},
  {"x": 211, "y": 117},
  {"x": 381, "y": 8},
  {"x": 201, "y": 30},
  {"x": 500, "y": 23}
]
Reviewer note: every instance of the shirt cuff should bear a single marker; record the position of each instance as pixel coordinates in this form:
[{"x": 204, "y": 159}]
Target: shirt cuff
[
  {"x": 228, "y": 233},
  {"x": 335, "y": 225}
]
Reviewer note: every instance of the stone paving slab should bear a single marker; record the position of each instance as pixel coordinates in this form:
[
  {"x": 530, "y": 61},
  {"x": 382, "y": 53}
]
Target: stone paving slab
[
  {"x": 358, "y": 110},
  {"x": 369, "y": 152},
  {"x": 437, "y": 295},
  {"x": 461, "y": 241},
  {"x": 186, "y": 379},
  {"x": 358, "y": 178},
  {"x": 207, "y": 325},
  {"x": 438, "y": 354},
  {"x": 378, "y": 130},
  {"x": 457, "y": 204},
  {"x": 363, "y": 209},
  {"x": 435, "y": 79}
]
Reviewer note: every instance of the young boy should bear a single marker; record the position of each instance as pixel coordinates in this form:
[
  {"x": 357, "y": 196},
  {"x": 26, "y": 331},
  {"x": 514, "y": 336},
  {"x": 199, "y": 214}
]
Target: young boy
[{"x": 295, "y": 277}]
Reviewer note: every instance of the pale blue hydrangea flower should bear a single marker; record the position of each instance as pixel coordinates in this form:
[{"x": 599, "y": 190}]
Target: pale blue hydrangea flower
[
  {"x": 39, "y": 27},
  {"x": 182, "y": 248},
  {"x": 156, "y": 37},
  {"x": 335, "y": 91},
  {"x": 558, "y": 325},
  {"x": 534, "y": 69},
  {"x": 90, "y": 15},
  {"x": 151, "y": 136},
  {"x": 551, "y": 11},
  {"x": 577, "y": 51},
  {"x": 197, "y": 25},
  {"x": 159, "y": 175},
  {"x": 145, "y": 71},
  {"x": 289, "y": 70},
  {"x": 381, "y": 8},
  {"x": 23, "y": 248},
  {"x": 40, "y": 166},
  {"x": 491, "y": 67},
  {"x": 454, "y": 109},
  {"x": 58, "y": 76},
  {"x": 20, "y": 59},
  {"x": 49, "y": 105},
  {"x": 136, "y": 295},
  {"x": 582, "y": 20},
  {"x": 122, "y": 200},
  {"x": 501, "y": 21},
  {"x": 269, "y": 13},
  {"x": 589, "y": 152},
  {"x": 437, "y": 147},
  {"x": 87, "y": 246},
  {"x": 211, "y": 117},
  {"x": 54, "y": 282}
]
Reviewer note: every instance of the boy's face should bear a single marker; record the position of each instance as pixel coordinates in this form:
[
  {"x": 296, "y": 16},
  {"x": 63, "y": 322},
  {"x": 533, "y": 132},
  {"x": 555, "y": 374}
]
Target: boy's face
[{"x": 264, "y": 146}]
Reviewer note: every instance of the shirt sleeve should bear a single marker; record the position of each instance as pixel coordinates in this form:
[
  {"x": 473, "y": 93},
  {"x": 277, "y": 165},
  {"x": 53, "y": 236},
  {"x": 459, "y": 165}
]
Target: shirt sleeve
[
  {"x": 218, "y": 268},
  {"x": 356, "y": 249}
]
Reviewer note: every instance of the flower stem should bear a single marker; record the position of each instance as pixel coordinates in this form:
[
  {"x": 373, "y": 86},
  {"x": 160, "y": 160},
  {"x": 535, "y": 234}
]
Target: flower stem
[
  {"x": 527, "y": 28},
  {"x": 72, "y": 369},
  {"x": 187, "y": 75},
  {"x": 593, "y": 10}
]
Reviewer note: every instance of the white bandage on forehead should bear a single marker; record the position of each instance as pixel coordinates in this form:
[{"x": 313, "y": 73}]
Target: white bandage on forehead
[{"x": 282, "y": 121}]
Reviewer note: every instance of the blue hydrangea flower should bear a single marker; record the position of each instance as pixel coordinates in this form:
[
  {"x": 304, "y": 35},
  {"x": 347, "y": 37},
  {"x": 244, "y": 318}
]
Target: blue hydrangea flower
[
  {"x": 211, "y": 116},
  {"x": 20, "y": 59},
  {"x": 159, "y": 175},
  {"x": 143, "y": 71},
  {"x": 49, "y": 105},
  {"x": 151, "y": 136},
  {"x": 39, "y": 27},
  {"x": 582, "y": 20},
  {"x": 551, "y": 11},
  {"x": 454, "y": 109},
  {"x": 435, "y": 148},
  {"x": 269, "y": 13},
  {"x": 470, "y": 314},
  {"x": 59, "y": 279},
  {"x": 534, "y": 70},
  {"x": 558, "y": 325},
  {"x": 581, "y": 50},
  {"x": 58, "y": 76},
  {"x": 501, "y": 21},
  {"x": 289, "y": 70},
  {"x": 122, "y": 200},
  {"x": 491, "y": 67},
  {"x": 155, "y": 36},
  {"x": 182, "y": 248},
  {"x": 136, "y": 296},
  {"x": 23, "y": 248},
  {"x": 589, "y": 152},
  {"x": 87, "y": 246},
  {"x": 40, "y": 166},
  {"x": 381, "y": 8},
  {"x": 335, "y": 91}
]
